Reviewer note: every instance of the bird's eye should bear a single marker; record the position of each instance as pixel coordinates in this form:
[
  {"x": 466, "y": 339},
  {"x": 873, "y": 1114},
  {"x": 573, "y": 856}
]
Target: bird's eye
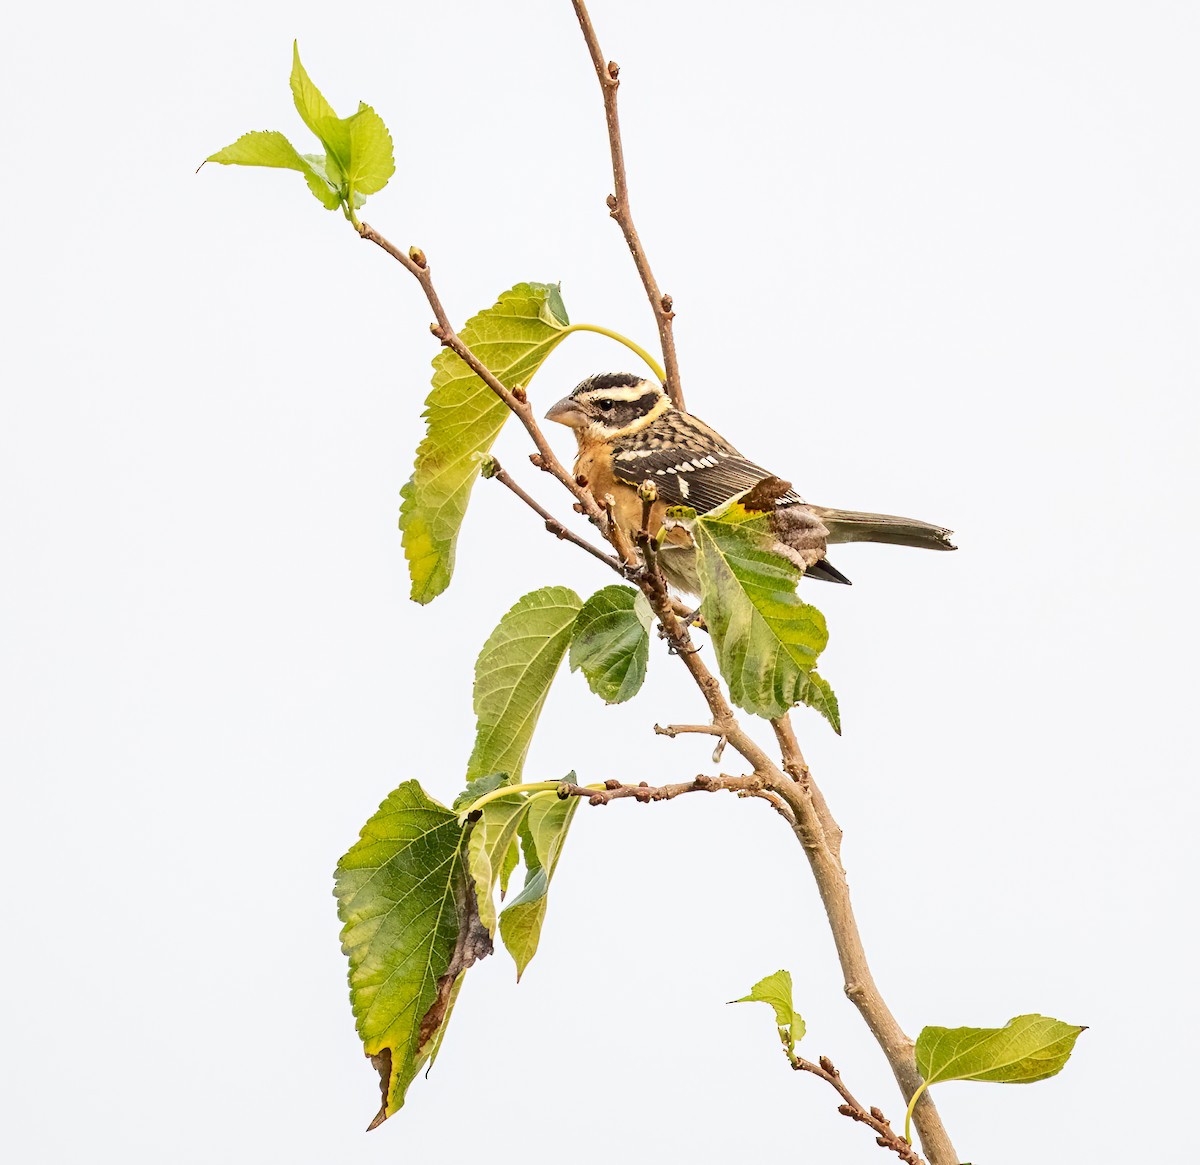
[{"x": 605, "y": 405}]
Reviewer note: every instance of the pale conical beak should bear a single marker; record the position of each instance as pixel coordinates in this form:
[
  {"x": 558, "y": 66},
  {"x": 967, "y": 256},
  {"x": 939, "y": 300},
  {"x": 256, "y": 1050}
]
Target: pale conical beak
[{"x": 567, "y": 412}]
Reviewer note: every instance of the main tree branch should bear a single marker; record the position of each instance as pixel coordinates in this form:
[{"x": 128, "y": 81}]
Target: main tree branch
[{"x": 618, "y": 205}]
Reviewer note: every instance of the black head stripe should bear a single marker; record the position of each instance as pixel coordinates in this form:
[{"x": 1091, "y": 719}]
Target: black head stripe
[{"x": 645, "y": 403}]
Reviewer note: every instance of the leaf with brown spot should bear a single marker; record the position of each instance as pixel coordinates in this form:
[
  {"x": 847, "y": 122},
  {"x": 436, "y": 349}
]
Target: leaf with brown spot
[{"x": 410, "y": 929}]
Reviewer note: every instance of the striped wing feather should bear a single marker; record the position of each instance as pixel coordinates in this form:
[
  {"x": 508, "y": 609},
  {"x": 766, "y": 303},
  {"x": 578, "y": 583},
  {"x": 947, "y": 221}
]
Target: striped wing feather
[{"x": 687, "y": 478}]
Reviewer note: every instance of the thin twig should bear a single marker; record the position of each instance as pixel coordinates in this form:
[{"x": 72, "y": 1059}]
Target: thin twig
[
  {"x": 515, "y": 399},
  {"x": 886, "y": 1136},
  {"x": 618, "y": 204},
  {"x": 674, "y": 730},
  {"x": 498, "y": 473}
]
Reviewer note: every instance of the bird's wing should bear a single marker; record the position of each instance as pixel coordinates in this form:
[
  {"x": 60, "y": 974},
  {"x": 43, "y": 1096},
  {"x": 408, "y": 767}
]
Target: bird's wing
[{"x": 686, "y": 477}]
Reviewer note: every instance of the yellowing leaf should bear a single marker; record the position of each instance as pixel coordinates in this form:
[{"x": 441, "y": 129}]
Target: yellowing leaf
[
  {"x": 463, "y": 417},
  {"x": 542, "y": 836},
  {"x": 1027, "y": 1048},
  {"x": 491, "y": 839}
]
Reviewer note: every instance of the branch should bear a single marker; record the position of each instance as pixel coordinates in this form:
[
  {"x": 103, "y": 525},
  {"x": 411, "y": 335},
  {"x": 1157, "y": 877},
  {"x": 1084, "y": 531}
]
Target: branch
[
  {"x": 553, "y": 525},
  {"x": 887, "y": 1137},
  {"x": 415, "y": 263},
  {"x": 751, "y": 785},
  {"x": 821, "y": 838},
  {"x": 618, "y": 205}
]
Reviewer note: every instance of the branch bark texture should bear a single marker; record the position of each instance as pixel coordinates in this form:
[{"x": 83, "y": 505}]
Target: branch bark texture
[{"x": 618, "y": 205}]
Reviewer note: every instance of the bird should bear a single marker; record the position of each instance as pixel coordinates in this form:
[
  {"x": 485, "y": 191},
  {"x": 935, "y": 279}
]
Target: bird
[{"x": 629, "y": 432}]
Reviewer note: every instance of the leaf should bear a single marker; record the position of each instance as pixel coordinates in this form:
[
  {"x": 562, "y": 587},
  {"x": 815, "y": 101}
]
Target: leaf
[
  {"x": 371, "y": 160},
  {"x": 310, "y": 103},
  {"x": 611, "y": 644},
  {"x": 271, "y": 149},
  {"x": 463, "y": 417},
  {"x": 817, "y": 694},
  {"x": 1027, "y": 1048},
  {"x": 511, "y": 857},
  {"x": 488, "y": 846},
  {"x": 480, "y": 787},
  {"x": 767, "y": 640},
  {"x": 776, "y": 990},
  {"x": 358, "y": 158},
  {"x": 542, "y": 836},
  {"x": 513, "y": 675},
  {"x": 410, "y": 929}
]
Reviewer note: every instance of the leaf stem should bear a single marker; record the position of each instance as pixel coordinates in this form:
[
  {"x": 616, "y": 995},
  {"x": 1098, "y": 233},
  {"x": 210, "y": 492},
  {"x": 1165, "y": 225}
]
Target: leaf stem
[
  {"x": 505, "y": 790},
  {"x": 637, "y": 349},
  {"x": 908, "y": 1112}
]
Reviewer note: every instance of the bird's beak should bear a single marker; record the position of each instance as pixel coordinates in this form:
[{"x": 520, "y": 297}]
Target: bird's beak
[{"x": 567, "y": 412}]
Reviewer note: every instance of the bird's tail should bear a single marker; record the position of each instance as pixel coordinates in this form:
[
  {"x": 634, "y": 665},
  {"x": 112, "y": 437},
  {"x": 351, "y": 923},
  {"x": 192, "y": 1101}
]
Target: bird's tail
[{"x": 853, "y": 526}]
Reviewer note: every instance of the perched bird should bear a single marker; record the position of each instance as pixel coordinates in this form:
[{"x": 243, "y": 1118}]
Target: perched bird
[{"x": 629, "y": 432}]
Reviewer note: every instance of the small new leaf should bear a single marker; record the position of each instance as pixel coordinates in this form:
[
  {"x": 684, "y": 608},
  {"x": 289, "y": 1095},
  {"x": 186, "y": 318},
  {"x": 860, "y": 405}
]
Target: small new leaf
[
  {"x": 611, "y": 643},
  {"x": 542, "y": 833},
  {"x": 513, "y": 675},
  {"x": 358, "y": 157},
  {"x": 372, "y": 162},
  {"x": 410, "y": 930},
  {"x": 270, "y": 148},
  {"x": 767, "y": 640},
  {"x": 463, "y": 418},
  {"x": 310, "y": 103},
  {"x": 776, "y": 990},
  {"x": 1027, "y": 1048}
]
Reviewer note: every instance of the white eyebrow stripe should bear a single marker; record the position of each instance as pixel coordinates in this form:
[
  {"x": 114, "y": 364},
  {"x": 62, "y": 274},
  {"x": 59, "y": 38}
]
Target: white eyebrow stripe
[{"x": 630, "y": 393}]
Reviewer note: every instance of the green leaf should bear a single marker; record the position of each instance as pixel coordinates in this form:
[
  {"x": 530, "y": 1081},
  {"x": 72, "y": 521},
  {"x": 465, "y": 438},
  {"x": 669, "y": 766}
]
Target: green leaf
[
  {"x": 480, "y": 787},
  {"x": 488, "y": 847},
  {"x": 371, "y": 160},
  {"x": 542, "y": 835},
  {"x": 463, "y": 417},
  {"x": 270, "y": 148},
  {"x": 511, "y": 857},
  {"x": 410, "y": 929},
  {"x": 310, "y": 104},
  {"x": 817, "y": 694},
  {"x": 767, "y": 640},
  {"x": 776, "y": 990},
  {"x": 1027, "y": 1048},
  {"x": 332, "y": 131},
  {"x": 319, "y": 183},
  {"x": 513, "y": 675},
  {"x": 611, "y": 644}
]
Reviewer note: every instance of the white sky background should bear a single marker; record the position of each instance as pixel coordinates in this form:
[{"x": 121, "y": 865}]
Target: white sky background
[{"x": 934, "y": 258}]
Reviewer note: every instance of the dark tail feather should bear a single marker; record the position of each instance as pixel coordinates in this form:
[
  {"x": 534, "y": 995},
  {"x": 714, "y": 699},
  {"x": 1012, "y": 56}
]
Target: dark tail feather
[
  {"x": 826, "y": 572},
  {"x": 852, "y": 526}
]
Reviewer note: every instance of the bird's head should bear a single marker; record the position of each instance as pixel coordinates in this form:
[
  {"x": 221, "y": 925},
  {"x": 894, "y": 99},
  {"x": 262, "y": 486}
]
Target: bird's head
[{"x": 610, "y": 404}]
